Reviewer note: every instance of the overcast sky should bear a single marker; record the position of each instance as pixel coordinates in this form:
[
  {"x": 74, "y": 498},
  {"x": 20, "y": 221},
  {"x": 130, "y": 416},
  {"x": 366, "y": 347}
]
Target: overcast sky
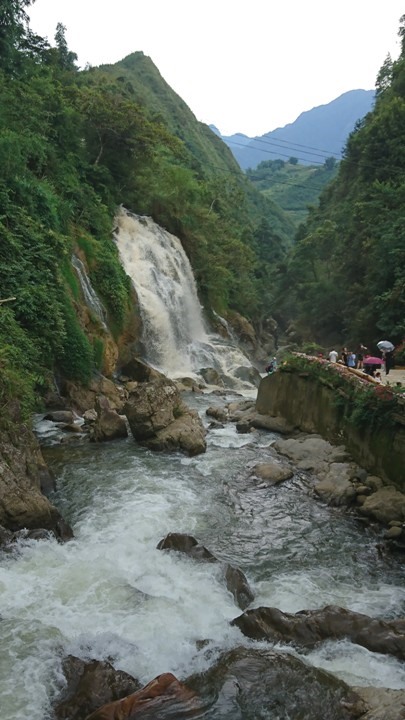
[{"x": 245, "y": 67}]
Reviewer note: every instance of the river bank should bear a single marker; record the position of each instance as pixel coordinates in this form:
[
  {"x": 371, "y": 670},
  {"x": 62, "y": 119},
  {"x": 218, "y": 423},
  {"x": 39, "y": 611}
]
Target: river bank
[{"x": 314, "y": 395}]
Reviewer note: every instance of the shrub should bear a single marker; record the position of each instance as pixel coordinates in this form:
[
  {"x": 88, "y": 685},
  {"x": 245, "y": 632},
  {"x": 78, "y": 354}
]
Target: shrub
[{"x": 76, "y": 356}]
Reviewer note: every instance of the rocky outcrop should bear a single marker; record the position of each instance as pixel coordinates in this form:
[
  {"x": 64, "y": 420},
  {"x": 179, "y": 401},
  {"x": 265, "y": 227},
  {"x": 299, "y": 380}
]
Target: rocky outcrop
[
  {"x": 309, "y": 627},
  {"x": 84, "y": 398},
  {"x": 137, "y": 370},
  {"x": 236, "y": 581},
  {"x": 160, "y": 419},
  {"x": 22, "y": 473}
]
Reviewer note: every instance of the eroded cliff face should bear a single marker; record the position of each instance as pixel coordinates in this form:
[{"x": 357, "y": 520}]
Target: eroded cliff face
[
  {"x": 23, "y": 475},
  {"x": 312, "y": 406}
]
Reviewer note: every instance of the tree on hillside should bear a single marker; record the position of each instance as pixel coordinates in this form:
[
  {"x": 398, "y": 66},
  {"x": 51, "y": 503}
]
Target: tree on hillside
[
  {"x": 13, "y": 27},
  {"x": 66, "y": 58}
]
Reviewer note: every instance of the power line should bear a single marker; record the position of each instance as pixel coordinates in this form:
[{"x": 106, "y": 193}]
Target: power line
[{"x": 293, "y": 149}]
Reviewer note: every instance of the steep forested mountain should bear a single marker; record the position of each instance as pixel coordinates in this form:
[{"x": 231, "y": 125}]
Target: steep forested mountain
[
  {"x": 73, "y": 146},
  {"x": 346, "y": 274},
  {"x": 314, "y": 136}
]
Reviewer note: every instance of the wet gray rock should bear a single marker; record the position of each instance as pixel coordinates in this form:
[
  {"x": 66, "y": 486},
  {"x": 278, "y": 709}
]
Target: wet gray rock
[
  {"x": 384, "y": 505},
  {"x": 380, "y": 703},
  {"x": 211, "y": 376},
  {"x": 236, "y": 581},
  {"x": 60, "y": 416},
  {"x": 22, "y": 472},
  {"x": 217, "y": 413},
  {"x": 90, "y": 685},
  {"x": 337, "y": 488},
  {"x": 243, "y": 427},
  {"x": 181, "y": 542},
  {"x": 272, "y": 424},
  {"x": 311, "y": 452},
  {"x": 136, "y": 369},
  {"x": 258, "y": 683},
  {"x": 161, "y": 420},
  {"x": 109, "y": 425},
  {"x": 309, "y": 627},
  {"x": 271, "y": 473},
  {"x": 237, "y": 584}
]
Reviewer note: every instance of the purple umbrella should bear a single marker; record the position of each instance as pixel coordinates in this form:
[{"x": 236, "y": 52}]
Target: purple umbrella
[{"x": 370, "y": 360}]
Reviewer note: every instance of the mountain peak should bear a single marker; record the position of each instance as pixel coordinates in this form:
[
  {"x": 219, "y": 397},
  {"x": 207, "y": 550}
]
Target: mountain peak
[{"x": 315, "y": 135}]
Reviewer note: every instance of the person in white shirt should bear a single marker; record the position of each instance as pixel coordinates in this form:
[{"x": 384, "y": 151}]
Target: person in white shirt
[{"x": 333, "y": 356}]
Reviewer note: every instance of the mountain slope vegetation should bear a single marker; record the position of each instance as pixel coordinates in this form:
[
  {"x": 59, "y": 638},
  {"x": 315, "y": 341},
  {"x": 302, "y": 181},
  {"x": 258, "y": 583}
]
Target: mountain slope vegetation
[
  {"x": 346, "y": 273},
  {"x": 73, "y": 146},
  {"x": 292, "y": 186}
]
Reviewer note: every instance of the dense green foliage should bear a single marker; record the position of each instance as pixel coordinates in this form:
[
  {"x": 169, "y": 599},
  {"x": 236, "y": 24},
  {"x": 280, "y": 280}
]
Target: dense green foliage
[
  {"x": 292, "y": 186},
  {"x": 73, "y": 146},
  {"x": 76, "y": 144},
  {"x": 346, "y": 273}
]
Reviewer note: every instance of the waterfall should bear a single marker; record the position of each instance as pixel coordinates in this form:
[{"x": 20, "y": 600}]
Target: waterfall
[
  {"x": 175, "y": 338},
  {"x": 90, "y": 296}
]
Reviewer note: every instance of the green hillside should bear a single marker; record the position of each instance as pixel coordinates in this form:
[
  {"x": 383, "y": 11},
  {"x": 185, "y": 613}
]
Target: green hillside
[
  {"x": 74, "y": 146},
  {"x": 291, "y": 186},
  {"x": 204, "y": 152},
  {"x": 138, "y": 74},
  {"x": 346, "y": 273}
]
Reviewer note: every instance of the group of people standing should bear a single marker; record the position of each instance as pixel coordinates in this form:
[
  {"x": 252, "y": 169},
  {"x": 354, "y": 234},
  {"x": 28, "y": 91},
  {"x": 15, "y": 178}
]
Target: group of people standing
[{"x": 359, "y": 361}]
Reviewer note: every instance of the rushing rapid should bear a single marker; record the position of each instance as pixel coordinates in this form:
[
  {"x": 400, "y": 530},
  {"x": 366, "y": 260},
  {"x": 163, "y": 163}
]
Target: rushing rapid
[{"x": 110, "y": 594}]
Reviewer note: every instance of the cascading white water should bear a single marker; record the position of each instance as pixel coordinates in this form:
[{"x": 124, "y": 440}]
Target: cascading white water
[
  {"x": 174, "y": 334},
  {"x": 90, "y": 296}
]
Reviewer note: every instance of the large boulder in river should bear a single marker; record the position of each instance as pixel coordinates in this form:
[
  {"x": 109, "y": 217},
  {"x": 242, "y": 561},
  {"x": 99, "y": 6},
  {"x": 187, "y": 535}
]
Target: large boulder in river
[
  {"x": 160, "y": 419},
  {"x": 235, "y": 579},
  {"x": 384, "y": 505},
  {"x": 309, "y": 627},
  {"x": 108, "y": 425},
  {"x": 255, "y": 682},
  {"x": 187, "y": 544}
]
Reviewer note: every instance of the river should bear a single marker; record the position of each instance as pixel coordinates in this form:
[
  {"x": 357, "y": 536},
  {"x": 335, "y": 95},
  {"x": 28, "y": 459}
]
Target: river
[{"x": 110, "y": 594}]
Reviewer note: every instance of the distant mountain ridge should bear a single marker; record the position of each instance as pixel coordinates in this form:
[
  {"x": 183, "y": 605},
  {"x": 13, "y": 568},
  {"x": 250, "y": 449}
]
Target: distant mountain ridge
[{"x": 315, "y": 135}]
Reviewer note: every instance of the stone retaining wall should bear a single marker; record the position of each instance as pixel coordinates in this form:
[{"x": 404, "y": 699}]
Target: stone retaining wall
[{"x": 310, "y": 405}]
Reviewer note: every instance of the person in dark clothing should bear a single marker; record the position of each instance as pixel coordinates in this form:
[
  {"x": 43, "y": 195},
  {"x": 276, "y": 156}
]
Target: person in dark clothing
[
  {"x": 389, "y": 362},
  {"x": 344, "y": 356},
  {"x": 360, "y": 356}
]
